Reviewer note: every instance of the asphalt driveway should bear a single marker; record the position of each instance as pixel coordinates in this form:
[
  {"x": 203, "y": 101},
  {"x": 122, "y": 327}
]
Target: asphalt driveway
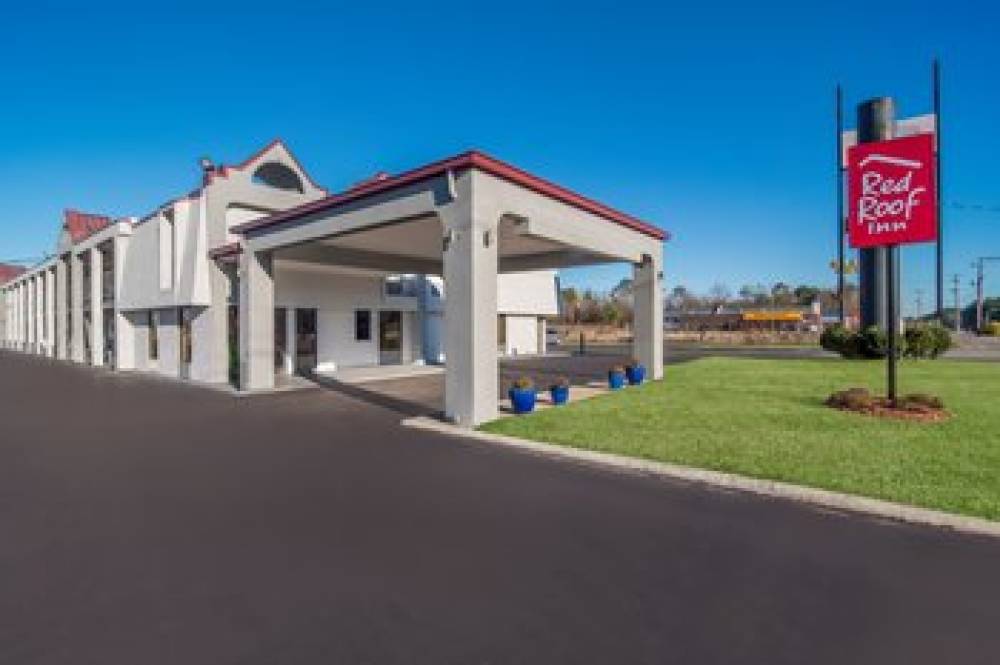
[{"x": 145, "y": 521}]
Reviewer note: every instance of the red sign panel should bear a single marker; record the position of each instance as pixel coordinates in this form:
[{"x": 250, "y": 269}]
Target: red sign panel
[{"x": 891, "y": 192}]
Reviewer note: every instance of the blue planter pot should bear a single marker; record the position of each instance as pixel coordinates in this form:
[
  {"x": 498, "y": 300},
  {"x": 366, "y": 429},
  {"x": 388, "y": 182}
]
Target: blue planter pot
[
  {"x": 636, "y": 374},
  {"x": 616, "y": 380},
  {"x": 522, "y": 401},
  {"x": 560, "y": 394}
]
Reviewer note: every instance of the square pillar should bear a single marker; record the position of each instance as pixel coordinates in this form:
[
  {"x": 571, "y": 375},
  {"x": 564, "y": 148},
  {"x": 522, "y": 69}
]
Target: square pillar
[
  {"x": 470, "y": 316},
  {"x": 76, "y": 307},
  {"x": 647, "y": 337},
  {"x": 50, "y": 312},
  {"x": 15, "y": 316},
  {"x": 256, "y": 320},
  {"x": 291, "y": 349},
  {"x": 22, "y": 317},
  {"x": 61, "y": 301},
  {"x": 124, "y": 330},
  {"x": 29, "y": 314},
  {"x": 96, "y": 307},
  {"x": 40, "y": 330},
  {"x": 5, "y": 294}
]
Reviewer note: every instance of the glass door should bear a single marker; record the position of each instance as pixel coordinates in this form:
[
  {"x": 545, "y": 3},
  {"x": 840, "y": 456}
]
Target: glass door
[
  {"x": 305, "y": 341},
  {"x": 390, "y": 338}
]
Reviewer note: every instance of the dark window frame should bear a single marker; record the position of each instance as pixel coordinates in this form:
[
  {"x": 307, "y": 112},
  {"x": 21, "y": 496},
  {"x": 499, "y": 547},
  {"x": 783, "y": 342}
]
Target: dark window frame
[
  {"x": 362, "y": 325},
  {"x": 154, "y": 338}
]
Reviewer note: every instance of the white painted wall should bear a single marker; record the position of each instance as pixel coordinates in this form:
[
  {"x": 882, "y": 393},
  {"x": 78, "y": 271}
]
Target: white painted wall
[
  {"x": 336, "y": 294},
  {"x": 522, "y": 335},
  {"x": 527, "y": 293}
]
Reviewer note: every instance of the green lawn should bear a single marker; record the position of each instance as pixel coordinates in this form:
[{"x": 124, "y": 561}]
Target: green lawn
[{"x": 766, "y": 418}]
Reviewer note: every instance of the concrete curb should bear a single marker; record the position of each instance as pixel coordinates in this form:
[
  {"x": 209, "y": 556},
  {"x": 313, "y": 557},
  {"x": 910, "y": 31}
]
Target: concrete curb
[{"x": 818, "y": 497}]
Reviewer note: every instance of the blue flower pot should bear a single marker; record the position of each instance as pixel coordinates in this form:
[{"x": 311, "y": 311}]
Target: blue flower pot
[
  {"x": 616, "y": 380},
  {"x": 560, "y": 394},
  {"x": 522, "y": 401},
  {"x": 636, "y": 374}
]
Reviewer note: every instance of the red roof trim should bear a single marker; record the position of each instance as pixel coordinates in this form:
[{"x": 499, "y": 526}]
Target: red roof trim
[
  {"x": 471, "y": 159},
  {"x": 9, "y": 272},
  {"x": 82, "y": 225},
  {"x": 225, "y": 251}
]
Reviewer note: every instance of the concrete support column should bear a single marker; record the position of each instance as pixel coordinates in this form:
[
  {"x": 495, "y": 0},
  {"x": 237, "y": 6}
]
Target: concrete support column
[
  {"x": 96, "y": 307},
  {"x": 256, "y": 320},
  {"x": 76, "y": 307},
  {"x": 40, "y": 330},
  {"x": 215, "y": 337},
  {"x": 124, "y": 330},
  {"x": 31, "y": 314},
  {"x": 291, "y": 348},
  {"x": 62, "y": 350},
  {"x": 470, "y": 317},
  {"x": 543, "y": 329},
  {"x": 5, "y": 296},
  {"x": 16, "y": 317},
  {"x": 22, "y": 317},
  {"x": 50, "y": 312},
  {"x": 647, "y": 338}
]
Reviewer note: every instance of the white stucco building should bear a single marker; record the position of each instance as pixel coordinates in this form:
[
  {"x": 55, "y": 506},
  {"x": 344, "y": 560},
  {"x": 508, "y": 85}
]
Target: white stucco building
[{"x": 260, "y": 272}]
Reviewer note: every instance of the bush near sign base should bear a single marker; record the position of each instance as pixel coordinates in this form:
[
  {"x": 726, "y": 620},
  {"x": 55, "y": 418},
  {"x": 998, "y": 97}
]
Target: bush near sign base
[{"x": 919, "y": 341}]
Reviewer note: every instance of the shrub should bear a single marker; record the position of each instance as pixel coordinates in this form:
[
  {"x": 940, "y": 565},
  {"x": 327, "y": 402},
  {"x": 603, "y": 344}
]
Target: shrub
[
  {"x": 927, "y": 341},
  {"x": 634, "y": 362},
  {"x": 561, "y": 382},
  {"x": 856, "y": 399},
  {"x": 992, "y": 329},
  {"x": 617, "y": 369},
  {"x": 838, "y": 339},
  {"x": 524, "y": 383},
  {"x": 921, "y": 400},
  {"x": 873, "y": 342}
]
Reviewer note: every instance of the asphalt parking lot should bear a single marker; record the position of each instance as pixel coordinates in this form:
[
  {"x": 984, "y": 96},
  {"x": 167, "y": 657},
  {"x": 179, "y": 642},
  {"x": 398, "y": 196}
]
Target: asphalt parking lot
[{"x": 147, "y": 521}]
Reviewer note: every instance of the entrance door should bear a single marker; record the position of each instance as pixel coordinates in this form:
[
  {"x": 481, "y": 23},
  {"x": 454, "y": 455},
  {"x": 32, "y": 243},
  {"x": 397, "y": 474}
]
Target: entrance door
[
  {"x": 305, "y": 340},
  {"x": 280, "y": 339},
  {"x": 390, "y": 338},
  {"x": 185, "y": 317}
]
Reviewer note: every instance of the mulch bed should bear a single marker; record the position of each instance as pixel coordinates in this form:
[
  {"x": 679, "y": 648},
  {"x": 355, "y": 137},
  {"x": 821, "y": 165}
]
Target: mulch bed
[
  {"x": 915, "y": 408},
  {"x": 880, "y": 408}
]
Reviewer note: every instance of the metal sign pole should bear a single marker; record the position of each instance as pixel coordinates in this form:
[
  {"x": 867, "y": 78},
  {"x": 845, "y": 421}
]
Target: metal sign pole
[
  {"x": 892, "y": 304},
  {"x": 940, "y": 206}
]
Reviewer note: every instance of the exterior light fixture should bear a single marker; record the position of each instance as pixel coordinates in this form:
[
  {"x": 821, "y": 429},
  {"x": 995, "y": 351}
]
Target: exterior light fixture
[{"x": 447, "y": 240}]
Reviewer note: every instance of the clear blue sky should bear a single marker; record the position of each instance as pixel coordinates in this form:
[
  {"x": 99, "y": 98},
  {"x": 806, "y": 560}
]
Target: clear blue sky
[{"x": 713, "y": 121}]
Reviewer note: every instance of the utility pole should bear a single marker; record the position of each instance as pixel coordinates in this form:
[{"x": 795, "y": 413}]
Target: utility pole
[
  {"x": 980, "y": 300},
  {"x": 958, "y": 307}
]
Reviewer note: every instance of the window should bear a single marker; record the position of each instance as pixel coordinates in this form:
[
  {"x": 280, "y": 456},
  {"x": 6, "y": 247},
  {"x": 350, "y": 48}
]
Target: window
[
  {"x": 279, "y": 176},
  {"x": 362, "y": 325},
  {"x": 393, "y": 286},
  {"x": 154, "y": 342}
]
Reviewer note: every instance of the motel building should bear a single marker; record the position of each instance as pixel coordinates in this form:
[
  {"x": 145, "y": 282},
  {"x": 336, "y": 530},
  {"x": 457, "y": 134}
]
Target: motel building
[{"x": 259, "y": 273}]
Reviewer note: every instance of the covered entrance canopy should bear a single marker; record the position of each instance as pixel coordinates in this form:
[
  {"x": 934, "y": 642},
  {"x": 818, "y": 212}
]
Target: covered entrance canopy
[{"x": 467, "y": 219}]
